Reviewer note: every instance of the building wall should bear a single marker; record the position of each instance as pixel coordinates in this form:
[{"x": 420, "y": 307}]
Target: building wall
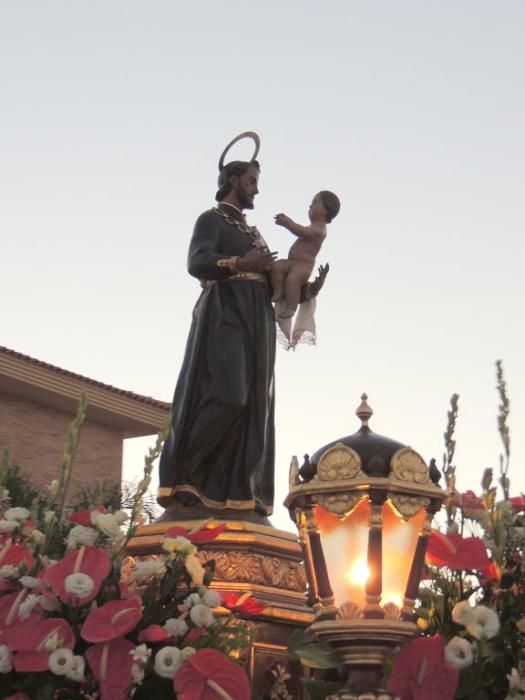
[{"x": 36, "y": 437}]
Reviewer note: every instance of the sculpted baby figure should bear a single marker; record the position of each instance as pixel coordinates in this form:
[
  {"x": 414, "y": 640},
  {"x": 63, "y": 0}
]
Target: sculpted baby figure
[{"x": 288, "y": 276}]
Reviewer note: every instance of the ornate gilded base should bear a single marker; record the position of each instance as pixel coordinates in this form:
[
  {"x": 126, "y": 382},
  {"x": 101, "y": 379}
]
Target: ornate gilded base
[
  {"x": 268, "y": 562},
  {"x": 363, "y": 695}
]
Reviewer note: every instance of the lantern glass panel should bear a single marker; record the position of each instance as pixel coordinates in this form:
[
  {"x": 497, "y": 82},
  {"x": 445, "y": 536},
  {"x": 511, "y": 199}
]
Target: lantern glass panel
[{"x": 345, "y": 546}]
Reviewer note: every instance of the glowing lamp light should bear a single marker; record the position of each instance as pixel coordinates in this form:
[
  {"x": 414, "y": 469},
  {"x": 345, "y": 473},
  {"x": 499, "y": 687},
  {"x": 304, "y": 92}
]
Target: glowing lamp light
[{"x": 363, "y": 506}]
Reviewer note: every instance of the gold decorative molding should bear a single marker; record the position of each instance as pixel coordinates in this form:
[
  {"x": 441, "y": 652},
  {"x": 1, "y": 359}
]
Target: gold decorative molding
[
  {"x": 349, "y": 611},
  {"x": 339, "y": 503},
  {"x": 338, "y": 462},
  {"x": 408, "y": 465},
  {"x": 407, "y": 506},
  {"x": 243, "y": 567}
]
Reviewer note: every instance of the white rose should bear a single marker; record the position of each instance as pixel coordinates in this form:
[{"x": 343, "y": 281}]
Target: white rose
[
  {"x": 61, "y": 662},
  {"x": 462, "y": 613},
  {"x": 5, "y": 659},
  {"x": 20, "y": 514},
  {"x": 201, "y": 615},
  {"x": 149, "y": 567},
  {"x": 192, "y": 599},
  {"x": 29, "y": 582},
  {"x": 8, "y": 525},
  {"x": 107, "y": 523},
  {"x": 79, "y": 584},
  {"x": 176, "y": 626},
  {"x": 167, "y": 661},
  {"x": 27, "y": 606},
  {"x": 76, "y": 672},
  {"x": 458, "y": 653},
  {"x": 485, "y": 623},
  {"x": 212, "y": 599},
  {"x": 81, "y": 535}
]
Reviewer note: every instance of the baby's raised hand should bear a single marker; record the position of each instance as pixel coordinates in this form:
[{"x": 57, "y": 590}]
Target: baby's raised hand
[{"x": 282, "y": 220}]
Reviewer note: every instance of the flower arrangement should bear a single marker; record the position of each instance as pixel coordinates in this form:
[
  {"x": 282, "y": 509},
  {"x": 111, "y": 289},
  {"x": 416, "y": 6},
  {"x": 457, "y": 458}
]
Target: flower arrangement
[
  {"x": 472, "y": 608},
  {"x": 71, "y": 627}
]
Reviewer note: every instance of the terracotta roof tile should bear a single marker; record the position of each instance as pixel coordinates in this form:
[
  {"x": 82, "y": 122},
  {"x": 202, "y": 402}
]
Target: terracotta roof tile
[{"x": 53, "y": 368}]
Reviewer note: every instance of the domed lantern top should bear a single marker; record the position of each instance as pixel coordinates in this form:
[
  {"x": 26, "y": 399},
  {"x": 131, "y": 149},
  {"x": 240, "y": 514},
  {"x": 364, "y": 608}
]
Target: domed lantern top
[{"x": 363, "y": 506}]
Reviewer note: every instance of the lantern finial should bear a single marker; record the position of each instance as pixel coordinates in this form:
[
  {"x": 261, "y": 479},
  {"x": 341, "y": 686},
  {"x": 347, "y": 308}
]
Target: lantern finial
[{"x": 364, "y": 412}]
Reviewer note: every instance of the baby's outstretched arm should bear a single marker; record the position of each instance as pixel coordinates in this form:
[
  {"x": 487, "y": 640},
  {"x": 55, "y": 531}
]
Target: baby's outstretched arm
[{"x": 311, "y": 231}]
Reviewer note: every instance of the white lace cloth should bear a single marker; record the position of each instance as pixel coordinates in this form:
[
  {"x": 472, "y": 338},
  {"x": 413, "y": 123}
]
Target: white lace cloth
[{"x": 300, "y": 328}]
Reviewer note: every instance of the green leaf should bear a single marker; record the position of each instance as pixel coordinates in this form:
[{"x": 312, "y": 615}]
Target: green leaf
[{"x": 310, "y": 652}]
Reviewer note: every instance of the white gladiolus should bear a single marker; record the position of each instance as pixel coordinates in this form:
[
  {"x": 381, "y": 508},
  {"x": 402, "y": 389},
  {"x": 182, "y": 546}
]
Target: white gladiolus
[
  {"x": 195, "y": 569},
  {"x": 187, "y": 652},
  {"x": 485, "y": 624},
  {"x": 27, "y": 606},
  {"x": 37, "y": 536},
  {"x": 149, "y": 567},
  {"x": 76, "y": 672},
  {"x": 61, "y": 662},
  {"x": 5, "y": 659},
  {"x": 212, "y": 599},
  {"x": 176, "y": 626},
  {"x": 9, "y": 571},
  {"x": 458, "y": 653},
  {"x": 29, "y": 582},
  {"x": 463, "y": 613},
  {"x": 201, "y": 615},
  {"x": 81, "y": 535},
  {"x": 8, "y": 525},
  {"x": 53, "y": 487},
  {"x": 167, "y": 661},
  {"x": 79, "y": 584},
  {"x": 137, "y": 674},
  {"x": 141, "y": 653},
  {"x": 49, "y": 516},
  {"x": 109, "y": 523},
  {"x": 20, "y": 514}
]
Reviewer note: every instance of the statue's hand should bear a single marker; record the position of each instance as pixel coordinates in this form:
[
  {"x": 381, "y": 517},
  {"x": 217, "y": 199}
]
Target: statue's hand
[
  {"x": 312, "y": 289},
  {"x": 256, "y": 261}
]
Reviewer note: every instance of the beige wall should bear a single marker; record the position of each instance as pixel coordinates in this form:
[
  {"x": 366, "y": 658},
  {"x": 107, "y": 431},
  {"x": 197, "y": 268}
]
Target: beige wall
[{"x": 36, "y": 436}]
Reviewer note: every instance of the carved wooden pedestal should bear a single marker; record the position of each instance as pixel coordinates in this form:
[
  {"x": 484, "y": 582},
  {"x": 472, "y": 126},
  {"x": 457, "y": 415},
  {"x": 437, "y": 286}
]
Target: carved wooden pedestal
[{"x": 268, "y": 562}]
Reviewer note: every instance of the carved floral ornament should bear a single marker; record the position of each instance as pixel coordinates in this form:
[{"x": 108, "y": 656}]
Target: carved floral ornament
[
  {"x": 339, "y": 462},
  {"x": 408, "y": 465}
]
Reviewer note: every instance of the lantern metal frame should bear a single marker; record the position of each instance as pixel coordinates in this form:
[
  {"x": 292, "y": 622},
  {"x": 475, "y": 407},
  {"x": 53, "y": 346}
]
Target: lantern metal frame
[{"x": 365, "y": 636}]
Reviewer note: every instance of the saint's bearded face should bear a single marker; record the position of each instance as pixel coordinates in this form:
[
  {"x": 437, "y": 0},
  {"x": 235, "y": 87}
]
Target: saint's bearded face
[{"x": 246, "y": 187}]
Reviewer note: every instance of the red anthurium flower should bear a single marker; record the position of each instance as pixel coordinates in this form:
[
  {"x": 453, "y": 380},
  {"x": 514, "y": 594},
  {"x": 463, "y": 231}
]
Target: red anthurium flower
[
  {"x": 243, "y": 604},
  {"x": 155, "y": 634},
  {"x": 518, "y": 503},
  {"x": 419, "y": 671},
  {"x": 210, "y": 675},
  {"x": 35, "y": 640},
  {"x": 15, "y": 555},
  {"x": 111, "y": 664},
  {"x": 91, "y": 562},
  {"x": 9, "y": 609},
  {"x": 83, "y": 517},
  {"x": 18, "y": 696},
  {"x": 112, "y": 620},
  {"x": 199, "y": 534},
  {"x": 195, "y": 633},
  {"x": 456, "y": 552}
]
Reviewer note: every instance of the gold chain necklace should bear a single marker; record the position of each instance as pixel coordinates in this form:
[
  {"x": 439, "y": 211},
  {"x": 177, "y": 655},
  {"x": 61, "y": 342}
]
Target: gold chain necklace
[{"x": 257, "y": 240}]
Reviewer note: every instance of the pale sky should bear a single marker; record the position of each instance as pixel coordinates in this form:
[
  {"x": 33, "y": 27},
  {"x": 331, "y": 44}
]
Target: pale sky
[{"x": 113, "y": 115}]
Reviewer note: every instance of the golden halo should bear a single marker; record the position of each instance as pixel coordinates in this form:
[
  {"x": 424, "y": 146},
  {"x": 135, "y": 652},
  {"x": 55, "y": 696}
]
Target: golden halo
[{"x": 245, "y": 135}]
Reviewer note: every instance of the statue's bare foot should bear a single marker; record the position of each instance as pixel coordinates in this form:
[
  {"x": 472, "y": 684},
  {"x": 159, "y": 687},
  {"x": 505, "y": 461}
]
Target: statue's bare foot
[{"x": 287, "y": 313}]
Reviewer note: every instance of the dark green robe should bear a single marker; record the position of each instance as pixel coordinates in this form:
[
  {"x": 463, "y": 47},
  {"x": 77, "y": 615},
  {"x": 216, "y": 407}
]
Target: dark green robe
[{"x": 221, "y": 444}]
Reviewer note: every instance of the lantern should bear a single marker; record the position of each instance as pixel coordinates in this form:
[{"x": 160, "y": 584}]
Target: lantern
[{"x": 363, "y": 506}]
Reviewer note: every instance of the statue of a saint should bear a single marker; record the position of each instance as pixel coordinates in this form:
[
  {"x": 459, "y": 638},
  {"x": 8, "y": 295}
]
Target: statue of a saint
[{"x": 220, "y": 449}]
